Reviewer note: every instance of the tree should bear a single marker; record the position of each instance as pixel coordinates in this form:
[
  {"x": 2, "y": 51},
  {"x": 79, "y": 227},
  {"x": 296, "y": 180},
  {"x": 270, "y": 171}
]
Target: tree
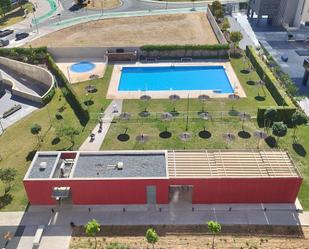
[
  {"x": 225, "y": 25},
  {"x": 5, "y": 6},
  {"x": 236, "y": 37},
  {"x": 215, "y": 228},
  {"x": 270, "y": 116},
  {"x": 35, "y": 130},
  {"x": 7, "y": 176},
  {"x": 216, "y": 5},
  {"x": 91, "y": 229},
  {"x": 152, "y": 236},
  {"x": 298, "y": 118},
  {"x": 69, "y": 132},
  {"x": 279, "y": 130},
  {"x": 219, "y": 14}
]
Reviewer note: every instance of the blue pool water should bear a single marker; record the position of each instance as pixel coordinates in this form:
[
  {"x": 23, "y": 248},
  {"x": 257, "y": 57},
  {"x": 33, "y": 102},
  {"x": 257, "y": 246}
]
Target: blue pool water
[
  {"x": 82, "y": 67},
  {"x": 175, "y": 78}
]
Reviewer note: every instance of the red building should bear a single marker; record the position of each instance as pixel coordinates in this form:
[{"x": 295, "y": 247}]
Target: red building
[{"x": 141, "y": 177}]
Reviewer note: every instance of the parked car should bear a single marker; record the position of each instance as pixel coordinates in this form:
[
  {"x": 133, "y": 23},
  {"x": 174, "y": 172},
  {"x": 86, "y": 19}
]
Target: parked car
[
  {"x": 6, "y": 32},
  {"x": 20, "y": 36},
  {"x": 4, "y": 43}
]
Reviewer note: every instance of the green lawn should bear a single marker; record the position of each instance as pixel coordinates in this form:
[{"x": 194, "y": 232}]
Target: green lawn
[
  {"x": 18, "y": 145},
  {"x": 222, "y": 122},
  {"x": 15, "y": 15}
]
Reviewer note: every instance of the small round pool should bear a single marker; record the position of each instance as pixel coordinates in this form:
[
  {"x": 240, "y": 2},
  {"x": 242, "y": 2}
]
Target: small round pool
[{"x": 82, "y": 67}]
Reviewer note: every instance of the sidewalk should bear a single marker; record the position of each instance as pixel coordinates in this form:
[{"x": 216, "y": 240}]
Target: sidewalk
[{"x": 109, "y": 114}]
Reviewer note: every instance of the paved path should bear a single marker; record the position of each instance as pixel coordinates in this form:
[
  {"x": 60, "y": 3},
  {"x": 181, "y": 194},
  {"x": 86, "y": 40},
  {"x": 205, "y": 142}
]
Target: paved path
[
  {"x": 239, "y": 22},
  {"x": 58, "y": 232},
  {"x": 109, "y": 114}
]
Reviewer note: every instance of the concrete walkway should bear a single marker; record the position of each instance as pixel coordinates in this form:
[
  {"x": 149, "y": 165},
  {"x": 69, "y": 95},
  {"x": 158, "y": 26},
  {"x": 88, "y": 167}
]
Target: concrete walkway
[
  {"x": 57, "y": 229},
  {"x": 109, "y": 114},
  {"x": 239, "y": 22}
]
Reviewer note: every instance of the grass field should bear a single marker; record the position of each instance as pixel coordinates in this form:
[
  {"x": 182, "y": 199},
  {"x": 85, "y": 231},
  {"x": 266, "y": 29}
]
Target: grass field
[
  {"x": 15, "y": 15},
  {"x": 18, "y": 145},
  {"x": 223, "y": 122}
]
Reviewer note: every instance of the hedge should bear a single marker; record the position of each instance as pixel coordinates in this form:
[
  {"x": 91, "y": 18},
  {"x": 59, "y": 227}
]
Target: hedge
[
  {"x": 215, "y": 47},
  {"x": 68, "y": 92},
  {"x": 272, "y": 83},
  {"x": 48, "y": 97},
  {"x": 283, "y": 114}
]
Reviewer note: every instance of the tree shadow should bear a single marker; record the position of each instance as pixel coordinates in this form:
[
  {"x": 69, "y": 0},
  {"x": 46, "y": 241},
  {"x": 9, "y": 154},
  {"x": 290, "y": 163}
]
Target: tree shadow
[
  {"x": 244, "y": 134},
  {"x": 123, "y": 137},
  {"x": 236, "y": 55},
  {"x": 299, "y": 149},
  {"x": 89, "y": 102},
  {"x": 30, "y": 155},
  {"x": 5, "y": 200},
  {"x": 259, "y": 98},
  {"x": 271, "y": 142},
  {"x": 165, "y": 134},
  {"x": 55, "y": 141},
  {"x": 174, "y": 113},
  {"x": 233, "y": 112},
  {"x": 245, "y": 71},
  {"x": 251, "y": 82},
  {"x": 144, "y": 114},
  {"x": 204, "y": 134}
]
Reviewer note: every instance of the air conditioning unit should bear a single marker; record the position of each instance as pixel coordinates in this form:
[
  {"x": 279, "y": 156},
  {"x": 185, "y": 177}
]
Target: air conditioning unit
[
  {"x": 119, "y": 165},
  {"x": 43, "y": 166}
]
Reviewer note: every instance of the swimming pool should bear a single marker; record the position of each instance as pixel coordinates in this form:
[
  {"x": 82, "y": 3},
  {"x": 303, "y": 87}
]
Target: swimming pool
[
  {"x": 82, "y": 67},
  {"x": 170, "y": 78}
]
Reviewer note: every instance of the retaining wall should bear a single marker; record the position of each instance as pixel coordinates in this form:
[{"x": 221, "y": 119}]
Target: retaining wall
[
  {"x": 215, "y": 27},
  {"x": 34, "y": 72}
]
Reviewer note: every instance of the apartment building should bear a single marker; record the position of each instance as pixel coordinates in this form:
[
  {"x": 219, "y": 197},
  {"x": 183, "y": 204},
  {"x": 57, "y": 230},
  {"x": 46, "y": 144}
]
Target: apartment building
[{"x": 290, "y": 13}]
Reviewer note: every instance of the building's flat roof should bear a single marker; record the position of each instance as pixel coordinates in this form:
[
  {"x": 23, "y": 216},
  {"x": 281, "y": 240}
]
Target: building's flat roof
[
  {"x": 46, "y": 160},
  {"x": 134, "y": 165},
  {"x": 163, "y": 164},
  {"x": 230, "y": 163}
]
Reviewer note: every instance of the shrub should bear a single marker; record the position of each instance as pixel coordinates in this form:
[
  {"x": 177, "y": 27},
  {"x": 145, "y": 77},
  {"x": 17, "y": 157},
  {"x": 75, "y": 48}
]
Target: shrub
[
  {"x": 68, "y": 92},
  {"x": 266, "y": 74},
  {"x": 284, "y": 114},
  {"x": 48, "y": 97},
  {"x": 215, "y": 47}
]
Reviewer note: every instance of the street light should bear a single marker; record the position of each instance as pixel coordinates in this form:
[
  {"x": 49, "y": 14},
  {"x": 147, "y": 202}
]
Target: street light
[{"x": 35, "y": 21}]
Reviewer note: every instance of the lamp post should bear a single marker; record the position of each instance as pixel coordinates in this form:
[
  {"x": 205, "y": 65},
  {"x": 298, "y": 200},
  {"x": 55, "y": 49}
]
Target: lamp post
[{"x": 35, "y": 21}]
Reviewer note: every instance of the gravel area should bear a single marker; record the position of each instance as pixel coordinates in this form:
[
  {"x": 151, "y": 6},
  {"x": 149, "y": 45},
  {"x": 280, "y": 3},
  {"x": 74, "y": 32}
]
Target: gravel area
[{"x": 36, "y": 172}]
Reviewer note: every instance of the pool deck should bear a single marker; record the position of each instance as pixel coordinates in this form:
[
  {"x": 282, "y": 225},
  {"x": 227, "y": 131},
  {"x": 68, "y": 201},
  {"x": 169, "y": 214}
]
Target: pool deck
[
  {"x": 65, "y": 65},
  {"x": 113, "y": 92}
]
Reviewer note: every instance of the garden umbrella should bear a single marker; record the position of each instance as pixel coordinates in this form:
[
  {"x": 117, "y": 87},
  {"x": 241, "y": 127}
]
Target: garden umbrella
[
  {"x": 174, "y": 98},
  {"x": 93, "y": 76},
  {"x": 185, "y": 136},
  {"x": 142, "y": 138},
  {"x": 244, "y": 117},
  {"x": 260, "y": 135},
  {"x": 260, "y": 84},
  {"x": 90, "y": 88},
  {"x": 203, "y": 98},
  {"x": 125, "y": 116},
  {"x": 228, "y": 137},
  {"x": 233, "y": 97},
  {"x": 145, "y": 98}
]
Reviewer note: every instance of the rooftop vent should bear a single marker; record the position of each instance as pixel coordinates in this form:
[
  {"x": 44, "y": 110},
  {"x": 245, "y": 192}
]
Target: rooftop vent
[
  {"x": 119, "y": 165},
  {"x": 43, "y": 166}
]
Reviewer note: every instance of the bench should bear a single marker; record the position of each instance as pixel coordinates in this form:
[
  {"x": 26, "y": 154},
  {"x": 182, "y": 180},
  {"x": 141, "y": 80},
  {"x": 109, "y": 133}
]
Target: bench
[{"x": 38, "y": 235}]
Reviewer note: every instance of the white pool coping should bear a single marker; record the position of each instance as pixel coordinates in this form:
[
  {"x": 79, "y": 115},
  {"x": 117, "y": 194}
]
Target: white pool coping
[
  {"x": 114, "y": 93},
  {"x": 75, "y": 77}
]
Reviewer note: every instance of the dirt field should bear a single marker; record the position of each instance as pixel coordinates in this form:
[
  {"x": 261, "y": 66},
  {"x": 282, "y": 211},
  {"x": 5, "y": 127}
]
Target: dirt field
[
  {"x": 199, "y": 241},
  {"x": 134, "y": 31},
  {"x": 106, "y": 4}
]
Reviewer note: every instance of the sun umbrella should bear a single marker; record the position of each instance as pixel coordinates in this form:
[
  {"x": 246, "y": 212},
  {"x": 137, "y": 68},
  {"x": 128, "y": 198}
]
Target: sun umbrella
[
  {"x": 125, "y": 116},
  {"x": 260, "y": 135},
  {"x": 185, "y": 136}
]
